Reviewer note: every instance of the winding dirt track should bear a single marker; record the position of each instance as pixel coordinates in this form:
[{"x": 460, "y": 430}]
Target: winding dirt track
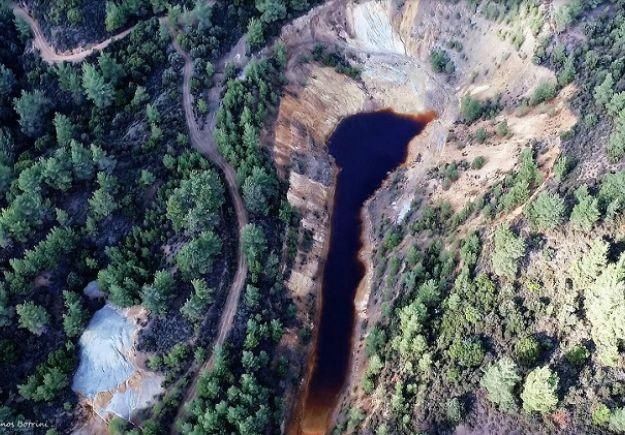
[
  {"x": 49, "y": 54},
  {"x": 202, "y": 140}
]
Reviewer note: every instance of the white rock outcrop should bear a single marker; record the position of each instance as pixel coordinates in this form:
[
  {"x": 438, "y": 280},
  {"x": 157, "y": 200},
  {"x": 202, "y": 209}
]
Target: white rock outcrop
[{"x": 110, "y": 376}]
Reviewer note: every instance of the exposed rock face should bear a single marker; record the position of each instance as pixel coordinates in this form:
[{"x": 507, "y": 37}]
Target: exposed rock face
[
  {"x": 392, "y": 44},
  {"x": 110, "y": 377},
  {"x": 373, "y": 29},
  {"x": 92, "y": 291}
]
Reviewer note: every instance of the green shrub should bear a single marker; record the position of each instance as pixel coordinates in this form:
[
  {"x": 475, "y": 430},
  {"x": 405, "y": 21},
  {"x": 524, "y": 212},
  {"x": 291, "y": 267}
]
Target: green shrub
[
  {"x": 508, "y": 250},
  {"x": 392, "y": 239},
  {"x": 471, "y": 109},
  {"x": 539, "y": 391},
  {"x": 617, "y": 420},
  {"x": 527, "y": 351},
  {"x": 478, "y": 162},
  {"x": 375, "y": 341},
  {"x": 577, "y": 356},
  {"x": 441, "y": 62},
  {"x": 561, "y": 167},
  {"x": 454, "y": 411},
  {"x": 601, "y": 415},
  {"x": 586, "y": 211},
  {"x": 467, "y": 353},
  {"x": 355, "y": 417},
  {"x": 499, "y": 381},
  {"x": 481, "y": 135},
  {"x": 502, "y": 129},
  {"x": 117, "y": 426},
  {"x": 547, "y": 211},
  {"x": 545, "y": 91}
]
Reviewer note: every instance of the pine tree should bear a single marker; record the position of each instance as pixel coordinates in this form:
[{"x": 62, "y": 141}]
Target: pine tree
[
  {"x": 7, "y": 82},
  {"x": 82, "y": 161},
  {"x": 272, "y": 10},
  {"x": 194, "y": 206},
  {"x": 112, "y": 72},
  {"x": 586, "y": 212},
  {"x": 604, "y": 91},
  {"x": 32, "y": 108},
  {"x": 259, "y": 191},
  {"x": 604, "y": 302},
  {"x": 97, "y": 89},
  {"x": 156, "y": 296},
  {"x": 255, "y": 34},
  {"x": 197, "y": 256},
  {"x": 508, "y": 250},
  {"x": 32, "y": 317},
  {"x": 539, "y": 391},
  {"x": 546, "y": 212},
  {"x": 116, "y": 15},
  {"x": 195, "y": 307},
  {"x": 64, "y": 129},
  {"x": 499, "y": 381},
  {"x": 75, "y": 315},
  {"x": 69, "y": 80},
  {"x": 254, "y": 246}
]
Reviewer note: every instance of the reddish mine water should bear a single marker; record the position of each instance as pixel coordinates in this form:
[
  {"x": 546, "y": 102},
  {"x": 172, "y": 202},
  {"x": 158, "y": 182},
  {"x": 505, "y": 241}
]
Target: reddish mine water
[{"x": 365, "y": 148}]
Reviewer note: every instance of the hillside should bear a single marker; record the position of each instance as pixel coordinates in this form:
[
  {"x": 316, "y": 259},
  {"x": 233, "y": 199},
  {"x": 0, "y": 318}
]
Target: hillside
[{"x": 179, "y": 214}]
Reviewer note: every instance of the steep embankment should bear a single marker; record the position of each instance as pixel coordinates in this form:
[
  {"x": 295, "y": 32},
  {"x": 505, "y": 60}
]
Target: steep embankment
[{"x": 392, "y": 46}]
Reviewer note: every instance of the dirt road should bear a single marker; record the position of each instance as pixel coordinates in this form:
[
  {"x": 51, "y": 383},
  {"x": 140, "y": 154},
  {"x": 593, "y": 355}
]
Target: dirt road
[
  {"x": 49, "y": 54},
  {"x": 203, "y": 141}
]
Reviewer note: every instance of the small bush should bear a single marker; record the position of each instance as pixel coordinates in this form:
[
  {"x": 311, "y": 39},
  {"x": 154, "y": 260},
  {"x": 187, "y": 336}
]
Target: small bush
[
  {"x": 527, "y": 351},
  {"x": 441, "y": 62},
  {"x": 545, "y": 91},
  {"x": 562, "y": 167},
  {"x": 617, "y": 420},
  {"x": 336, "y": 60},
  {"x": 577, "y": 356},
  {"x": 481, "y": 135},
  {"x": 471, "y": 109},
  {"x": 478, "y": 162},
  {"x": 467, "y": 353},
  {"x": 600, "y": 415},
  {"x": 502, "y": 129},
  {"x": 454, "y": 411}
]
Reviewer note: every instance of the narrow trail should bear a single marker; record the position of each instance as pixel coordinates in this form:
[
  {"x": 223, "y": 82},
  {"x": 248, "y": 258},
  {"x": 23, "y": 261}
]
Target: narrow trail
[
  {"x": 49, "y": 54},
  {"x": 202, "y": 140}
]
